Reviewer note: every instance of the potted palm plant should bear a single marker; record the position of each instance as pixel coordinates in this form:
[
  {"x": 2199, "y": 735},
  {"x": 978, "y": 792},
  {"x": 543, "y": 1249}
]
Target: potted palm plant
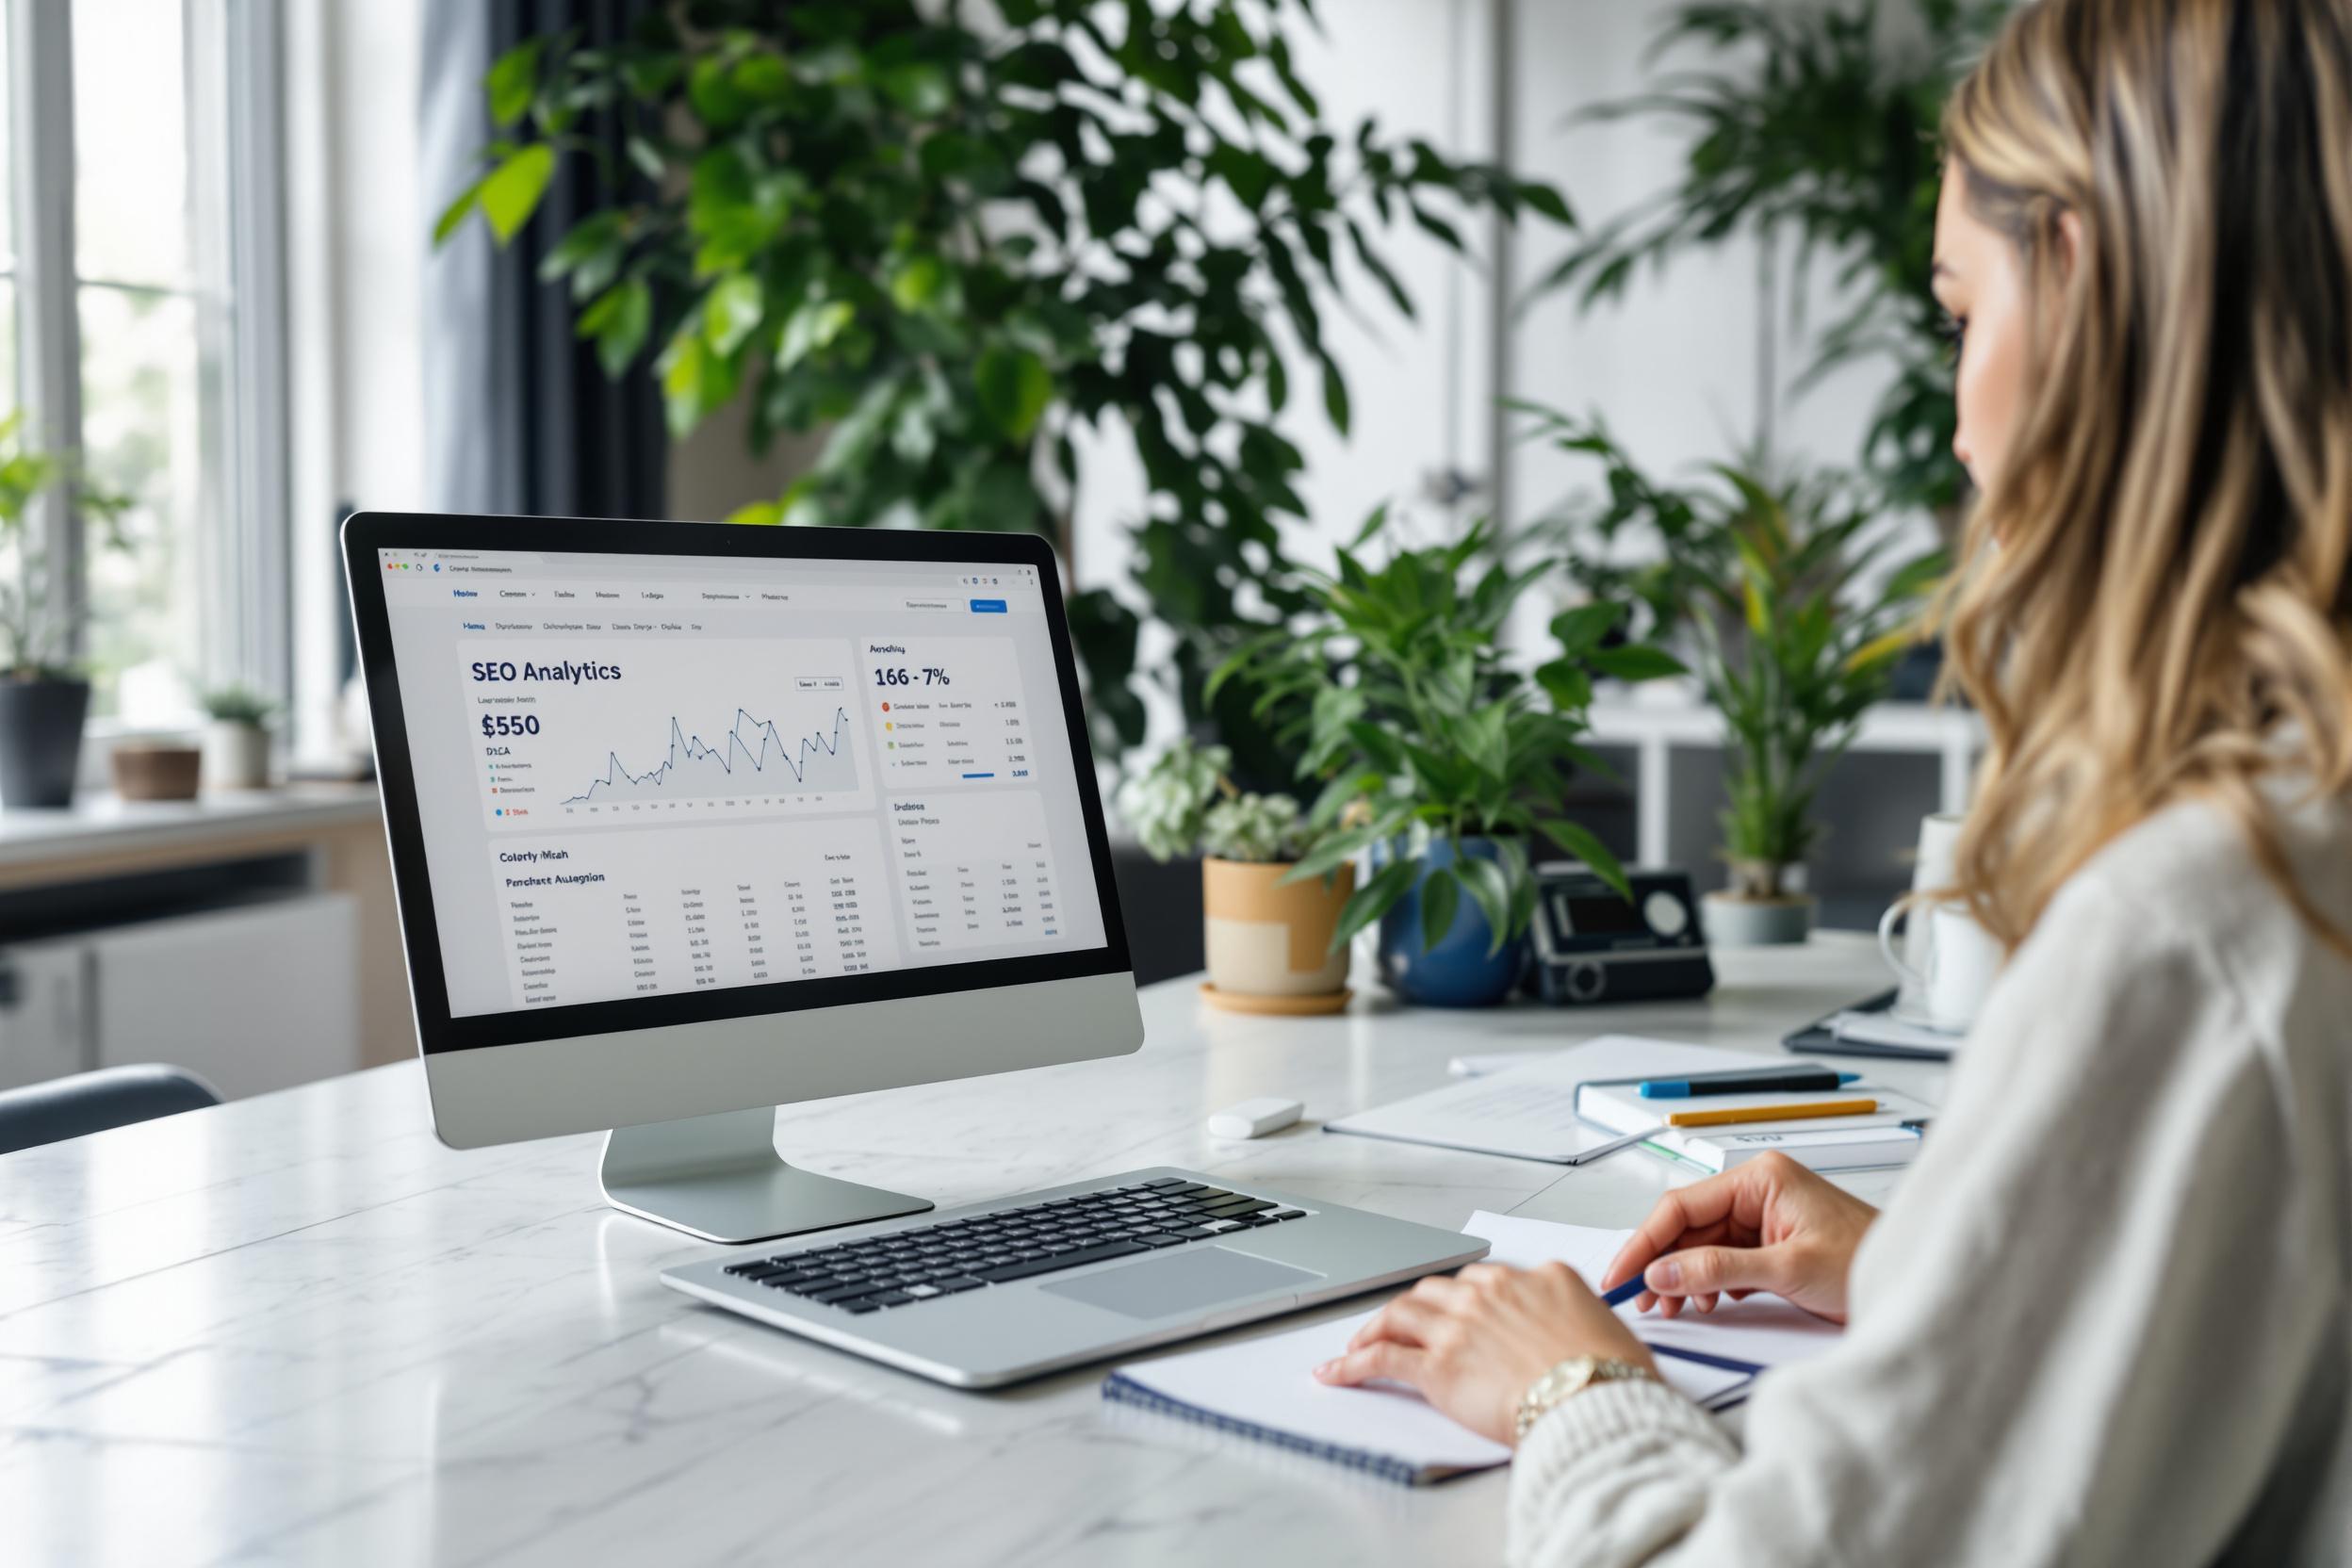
[
  {"x": 1778, "y": 585},
  {"x": 1267, "y": 938},
  {"x": 1442, "y": 760},
  {"x": 43, "y": 700}
]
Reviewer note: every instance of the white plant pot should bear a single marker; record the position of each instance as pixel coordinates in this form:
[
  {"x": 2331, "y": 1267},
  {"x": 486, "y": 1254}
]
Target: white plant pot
[
  {"x": 237, "y": 756},
  {"x": 1733, "y": 921}
]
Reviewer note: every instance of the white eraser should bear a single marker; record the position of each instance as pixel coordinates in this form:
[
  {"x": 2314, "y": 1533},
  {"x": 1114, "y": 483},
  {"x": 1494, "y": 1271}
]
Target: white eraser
[{"x": 1254, "y": 1119}]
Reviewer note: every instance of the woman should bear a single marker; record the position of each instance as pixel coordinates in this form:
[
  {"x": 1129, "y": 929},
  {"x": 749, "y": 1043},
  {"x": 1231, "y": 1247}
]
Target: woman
[{"x": 2106, "y": 1319}]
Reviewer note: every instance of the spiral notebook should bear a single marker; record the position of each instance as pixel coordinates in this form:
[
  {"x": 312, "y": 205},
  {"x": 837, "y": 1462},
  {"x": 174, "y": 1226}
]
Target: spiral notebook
[{"x": 1265, "y": 1389}]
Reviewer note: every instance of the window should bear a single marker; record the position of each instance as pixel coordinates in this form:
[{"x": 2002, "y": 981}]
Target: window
[{"x": 142, "y": 286}]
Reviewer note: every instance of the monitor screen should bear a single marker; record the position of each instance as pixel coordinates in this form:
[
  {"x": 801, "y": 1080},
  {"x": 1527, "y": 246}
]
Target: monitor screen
[{"x": 640, "y": 776}]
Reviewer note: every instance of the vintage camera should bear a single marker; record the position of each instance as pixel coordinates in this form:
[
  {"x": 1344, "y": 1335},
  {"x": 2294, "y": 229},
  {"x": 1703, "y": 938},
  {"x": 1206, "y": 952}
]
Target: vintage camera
[{"x": 1591, "y": 945}]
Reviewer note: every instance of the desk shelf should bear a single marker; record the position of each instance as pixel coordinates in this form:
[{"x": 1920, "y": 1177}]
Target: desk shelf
[{"x": 1910, "y": 758}]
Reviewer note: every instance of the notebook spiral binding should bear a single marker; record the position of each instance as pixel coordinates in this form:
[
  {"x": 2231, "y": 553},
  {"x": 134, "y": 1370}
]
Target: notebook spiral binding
[{"x": 1121, "y": 1390}]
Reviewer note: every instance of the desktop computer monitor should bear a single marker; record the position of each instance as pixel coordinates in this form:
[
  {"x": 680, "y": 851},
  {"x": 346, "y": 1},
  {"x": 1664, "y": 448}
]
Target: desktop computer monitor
[{"x": 689, "y": 821}]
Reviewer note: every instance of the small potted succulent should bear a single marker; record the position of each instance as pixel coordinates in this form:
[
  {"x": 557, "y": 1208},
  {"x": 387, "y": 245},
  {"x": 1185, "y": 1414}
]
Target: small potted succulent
[
  {"x": 237, "y": 739},
  {"x": 1444, "y": 759},
  {"x": 43, "y": 699},
  {"x": 1268, "y": 937}
]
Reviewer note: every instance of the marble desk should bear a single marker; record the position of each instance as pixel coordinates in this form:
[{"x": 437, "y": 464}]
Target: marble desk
[{"x": 297, "y": 1330}]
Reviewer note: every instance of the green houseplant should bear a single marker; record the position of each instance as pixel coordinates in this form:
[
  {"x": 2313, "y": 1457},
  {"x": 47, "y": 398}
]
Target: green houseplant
[
  {"x": 1819, "y": 123},
  {"x": 43, "y": 700},
  {"x": 1778, "y": 584},
  {"x": 1442, "y": 760},
  {"x": 237, "y": 737},
  {"x": 949, "y": 239},
  {"x": 1267, "y": 937}
]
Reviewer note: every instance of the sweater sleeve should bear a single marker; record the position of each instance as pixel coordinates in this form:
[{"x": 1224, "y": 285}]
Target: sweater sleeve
[{"x": 2054, "y": 1322}]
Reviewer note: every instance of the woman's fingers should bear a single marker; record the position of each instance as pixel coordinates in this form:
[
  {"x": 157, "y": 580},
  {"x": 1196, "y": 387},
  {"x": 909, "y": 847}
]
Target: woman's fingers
[
  {"x": 1407, "y": 1319},
  {"x": 1696, "y": 1216},
  {"x": 1700, "y": 1272},
  {"x": 1381, "y": 1358}
]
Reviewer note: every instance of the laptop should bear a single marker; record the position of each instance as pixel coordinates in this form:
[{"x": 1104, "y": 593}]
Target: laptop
[{"x": 1015, "y": 1288}]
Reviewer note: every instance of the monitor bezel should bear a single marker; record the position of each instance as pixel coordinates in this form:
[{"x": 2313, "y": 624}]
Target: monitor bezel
[{"x": 365, "y": 533}]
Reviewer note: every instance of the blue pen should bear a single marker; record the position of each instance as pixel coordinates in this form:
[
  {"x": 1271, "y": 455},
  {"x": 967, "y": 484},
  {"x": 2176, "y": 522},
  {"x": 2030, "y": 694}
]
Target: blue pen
[
  {"x": 1625, "y": 1293},
  {"x": 1800, "y": 1080}
]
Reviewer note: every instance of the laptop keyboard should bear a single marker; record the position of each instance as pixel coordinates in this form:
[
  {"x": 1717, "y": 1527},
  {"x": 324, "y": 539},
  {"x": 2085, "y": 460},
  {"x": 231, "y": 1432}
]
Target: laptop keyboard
[{"x": 929, "y": 1262}]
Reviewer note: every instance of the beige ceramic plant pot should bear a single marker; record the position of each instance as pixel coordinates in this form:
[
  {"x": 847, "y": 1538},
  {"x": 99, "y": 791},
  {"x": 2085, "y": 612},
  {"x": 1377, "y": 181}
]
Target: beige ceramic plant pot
[{"x": 1269, "y": 945}]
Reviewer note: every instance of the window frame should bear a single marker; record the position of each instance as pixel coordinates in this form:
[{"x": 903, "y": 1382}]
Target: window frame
[{"x": 247, "y": 630}]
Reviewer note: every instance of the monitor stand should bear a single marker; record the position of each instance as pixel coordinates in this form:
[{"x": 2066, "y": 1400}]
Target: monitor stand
[{"x": 719, "y": 1177}]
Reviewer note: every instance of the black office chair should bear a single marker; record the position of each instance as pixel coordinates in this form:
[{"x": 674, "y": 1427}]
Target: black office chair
[{"x": 93, "y": 1101}]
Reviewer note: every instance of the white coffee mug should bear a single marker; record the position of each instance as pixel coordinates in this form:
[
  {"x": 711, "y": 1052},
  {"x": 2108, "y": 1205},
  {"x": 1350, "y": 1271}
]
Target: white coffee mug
[
  {"x": 1935, "y": 866},
  {"x": 1962, "y": 960}
]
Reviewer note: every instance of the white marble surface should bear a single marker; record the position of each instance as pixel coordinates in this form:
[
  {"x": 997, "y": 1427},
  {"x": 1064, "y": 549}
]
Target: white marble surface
[{"x": 297, "y": 1330}]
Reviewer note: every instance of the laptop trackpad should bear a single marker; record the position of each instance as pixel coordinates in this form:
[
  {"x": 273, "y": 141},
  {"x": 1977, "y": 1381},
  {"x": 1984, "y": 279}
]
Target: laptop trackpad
[{"x": 1185, "y": 1282}]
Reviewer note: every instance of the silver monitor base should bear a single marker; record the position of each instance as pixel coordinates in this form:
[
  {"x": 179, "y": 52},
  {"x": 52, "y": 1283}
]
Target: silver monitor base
[{"x": 719, "y": 1177}]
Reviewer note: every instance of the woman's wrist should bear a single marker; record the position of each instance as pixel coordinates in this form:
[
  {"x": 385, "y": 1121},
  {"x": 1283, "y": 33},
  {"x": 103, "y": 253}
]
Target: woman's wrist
[{"x": 1570, "y": 1378}]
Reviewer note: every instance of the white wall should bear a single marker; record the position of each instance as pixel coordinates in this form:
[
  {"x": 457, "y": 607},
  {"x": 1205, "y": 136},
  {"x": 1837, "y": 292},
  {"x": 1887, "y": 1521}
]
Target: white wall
[{"x": 1675, "y": 366}]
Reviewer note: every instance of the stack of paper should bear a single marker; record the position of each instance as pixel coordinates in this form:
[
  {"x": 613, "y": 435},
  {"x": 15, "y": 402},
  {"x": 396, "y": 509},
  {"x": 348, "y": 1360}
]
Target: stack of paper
[
  {"x": 1826, "y": 1143},
  {"x": 1264, "y": 1388}
]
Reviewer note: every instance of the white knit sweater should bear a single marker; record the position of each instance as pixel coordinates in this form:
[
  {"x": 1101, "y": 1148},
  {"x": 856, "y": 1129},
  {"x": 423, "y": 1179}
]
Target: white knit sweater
[{"x": 2106, "y": 1319}]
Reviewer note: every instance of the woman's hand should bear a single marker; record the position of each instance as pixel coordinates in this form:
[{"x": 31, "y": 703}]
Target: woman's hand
[
  {"x": 1474, "y": 1343},
  {"x": 1767, "y": 1224}
]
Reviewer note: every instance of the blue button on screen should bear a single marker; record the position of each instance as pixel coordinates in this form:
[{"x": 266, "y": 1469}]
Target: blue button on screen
[{"x": 987, "y": 607}]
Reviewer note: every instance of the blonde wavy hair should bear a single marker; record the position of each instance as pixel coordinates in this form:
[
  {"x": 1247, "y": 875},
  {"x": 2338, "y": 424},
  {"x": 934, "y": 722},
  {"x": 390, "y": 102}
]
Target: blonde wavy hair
[{"x": 2154, "y": 603}]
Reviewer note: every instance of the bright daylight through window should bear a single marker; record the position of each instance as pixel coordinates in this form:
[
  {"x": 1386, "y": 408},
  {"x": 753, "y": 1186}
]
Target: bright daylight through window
[{"x": 121, "y": 337}]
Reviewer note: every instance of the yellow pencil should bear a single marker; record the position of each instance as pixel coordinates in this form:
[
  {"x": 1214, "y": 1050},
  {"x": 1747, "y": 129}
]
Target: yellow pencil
[{"x": 1771, "y": 1113}]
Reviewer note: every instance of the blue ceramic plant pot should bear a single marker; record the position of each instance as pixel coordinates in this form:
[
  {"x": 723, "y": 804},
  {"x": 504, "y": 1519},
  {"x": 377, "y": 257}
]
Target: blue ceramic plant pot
[{"x": 1459, "y": 972}]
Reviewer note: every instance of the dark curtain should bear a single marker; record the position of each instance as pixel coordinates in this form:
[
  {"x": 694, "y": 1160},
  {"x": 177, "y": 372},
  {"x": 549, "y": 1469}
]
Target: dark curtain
[{"x": 520, "y": 416}]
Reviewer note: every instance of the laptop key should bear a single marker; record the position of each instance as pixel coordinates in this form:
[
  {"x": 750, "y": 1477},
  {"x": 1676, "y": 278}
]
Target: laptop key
[
  {"x": 1158, "y": 1239},
  {"x": 1186, "y": 1232},
  {"x": 956, "y": 1284},
  {"x": 859, "y": 1306},
  {"x": 836, "y": 1293},
  {"x": 1289, "y": 1213},
  {"x": 887, "y": 1299},
  {"x": 1067, "y": 1259}
]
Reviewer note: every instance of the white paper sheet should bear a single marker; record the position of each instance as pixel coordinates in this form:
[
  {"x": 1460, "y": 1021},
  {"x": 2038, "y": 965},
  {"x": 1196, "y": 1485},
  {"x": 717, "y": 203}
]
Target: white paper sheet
[{"x": 1528, "y": 1111}]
